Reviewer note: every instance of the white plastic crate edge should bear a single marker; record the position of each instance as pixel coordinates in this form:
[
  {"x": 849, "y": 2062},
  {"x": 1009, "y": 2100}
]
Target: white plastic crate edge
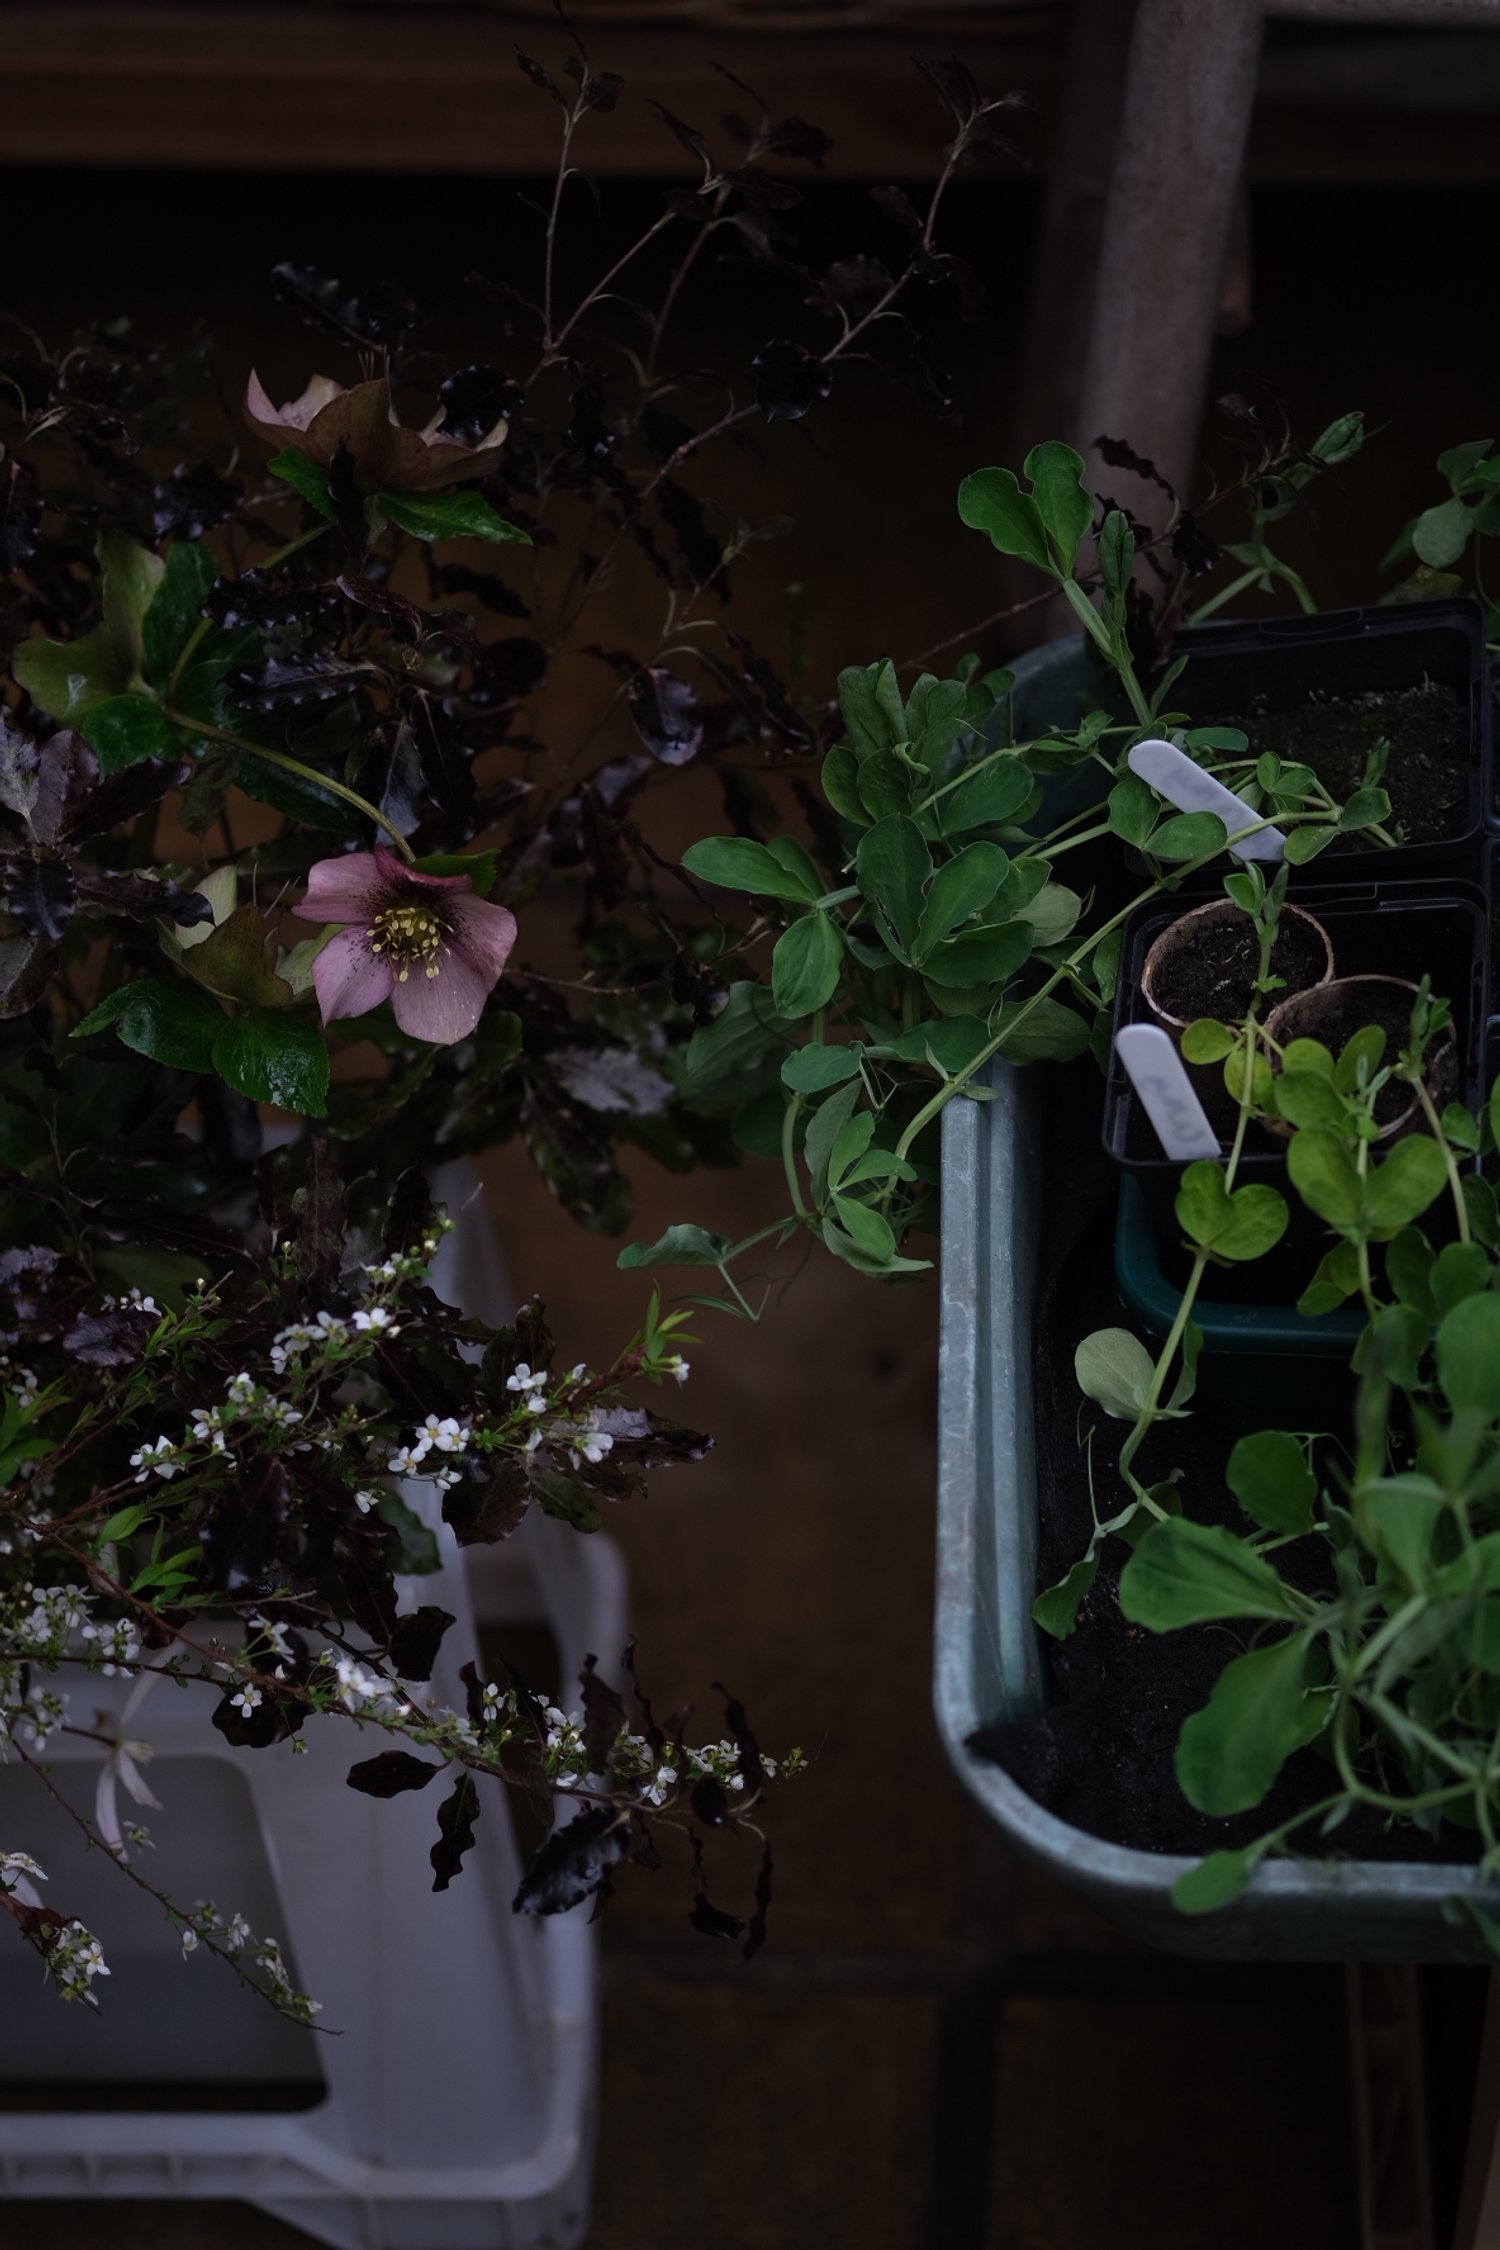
[{"x": 303, "y": 2168}]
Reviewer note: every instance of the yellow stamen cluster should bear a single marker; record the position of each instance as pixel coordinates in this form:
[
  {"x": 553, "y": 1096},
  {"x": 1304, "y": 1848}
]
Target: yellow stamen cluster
[{"x": 408, "y": 935}]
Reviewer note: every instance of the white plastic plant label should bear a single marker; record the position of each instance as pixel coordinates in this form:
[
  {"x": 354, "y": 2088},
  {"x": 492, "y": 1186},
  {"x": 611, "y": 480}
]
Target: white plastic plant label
[
  {"x": 1165, "y": 1092},
  {"x": 1172, "y": 773}
]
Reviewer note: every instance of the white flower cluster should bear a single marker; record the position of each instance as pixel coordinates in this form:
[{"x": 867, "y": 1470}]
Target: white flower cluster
[
  {"x": 74, "y": 1956},
  {"x": 262, "y": 1958},
  {"x": 438, "y": 1434}
]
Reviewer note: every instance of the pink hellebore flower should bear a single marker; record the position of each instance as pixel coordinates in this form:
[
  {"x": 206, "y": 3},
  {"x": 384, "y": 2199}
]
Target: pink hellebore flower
[
  {"x": 392, "y": 457},
  {"x": 423, "y": 942}
]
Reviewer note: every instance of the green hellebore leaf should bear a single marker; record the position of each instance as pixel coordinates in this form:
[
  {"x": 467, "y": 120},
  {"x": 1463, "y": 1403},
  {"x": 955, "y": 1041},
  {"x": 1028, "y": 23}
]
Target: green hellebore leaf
[
  {"x": 991, "y": 500},
  {"x": 681, "y": 1245},
  {"x": 234, "y": 959},
  {"x": 275, "y": 1056},
  {"x": 66, "y": 679},
  {"x": 1114, "y": 1368},
  {"x": 480, "y": 867},
  {"x": 1186, "y": 1573},
  {"x": 131, "y": 577},
  {"x": 738, "y": 863},
  {"x": 1066, "y": 510},
  {"x": 1245, "y": 1224},
  {"x": 805, "y": 965},
  {"x": 175, "y": 610},
  {"x": 298, "y": 469},
  {"x": 449, "y": 515},
  {"x": 128, "y": 729},
  {"x": 167, "y": 1018},
  {"x": 1269, "y": 1476},
  {"x": 1468, "y": 1356},
  {"x": 1230, "y": 1752}
]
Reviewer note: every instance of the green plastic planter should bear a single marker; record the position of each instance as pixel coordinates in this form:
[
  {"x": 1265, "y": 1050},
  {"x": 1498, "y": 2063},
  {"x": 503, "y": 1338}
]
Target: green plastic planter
[{"x": 987, "y": 1660}]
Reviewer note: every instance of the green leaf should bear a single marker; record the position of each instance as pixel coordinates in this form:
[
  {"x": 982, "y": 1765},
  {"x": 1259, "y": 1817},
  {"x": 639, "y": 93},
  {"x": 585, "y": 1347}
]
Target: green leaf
[
  {"x": 1055, "y": 1610},
  {"x": 738, "y": 863},
  {"x": 480, "y": 867},
  {"x": 1364, "y": 809},
  {"x": 1053, "y": 914},
  {"x": 805, "y": 965},
  {"x": 1132, "y": 809},
  {"x": 840, "y": 779},
  {"x": 1468, "y": 1356},
  {"x": 132, "y": 575},
  {"x": 950, "y": 1043},
  {"x": 1440, "y": 534},
  {"x": 1322, "y": 1171},
  {"x": 866, "y": 1228},
  {"x": 1462, "y": 1270},
  {"x": 1116, "y": 551},
  {"x": 128, "y": 729},
  {"x": 807, "y": 1070},
  {"x": 986, "y": 798},
  {"x": 1269, "y": 1476},
  {"x": 1307, "y": 1097},
  {"x": 991, "y": 501},
  {"x": 1306, "y": 841},
  {"x": 979, "y": 957},
  {"x": 300, "y": 800},
  {"x": 1334, "y": 1282},
  {"x": 681, "y": 1245},
  {"x": 66, "y": 679},
  {"x": 892, "y": 868},
  {"x": 1243, "y": 1225},
  {"x": 887, "y": 785},
  {"x": 296, "y": 469},
  {"x": 1230, "y": 1752},
  {"x": 1459, "y": 462},
  {"x": 957, "y": 892},
  {"x": 1359, "y": 1058},
  {"x": 275, "y": 1056},
  {"x": 734, "y": 1057},
  {"x": 175, "y": 611},
  {"x": 871, "y": 703},
  {"x": 234, "y": 960},
  {"x": 1187, "y": 836},
  {"x": 1397, "y": 1517},
  {"x": 1216, "y": 1881},
  {"x": 1186, "y": 1573},
  {"x": 166, "y": 1018},
  {"x": 1038, "y": 1031},
  {"x": 449, "y": 515},
  {"x": 1066, "y": 510},
  {"x": 828, "y": 1122},
  {"x": 1114, "y": 1368},
  {"x": 1408, "y": 1271},
  {"x": 1412, "y": 1177},
  {"x": 1207, "y": 1041}
]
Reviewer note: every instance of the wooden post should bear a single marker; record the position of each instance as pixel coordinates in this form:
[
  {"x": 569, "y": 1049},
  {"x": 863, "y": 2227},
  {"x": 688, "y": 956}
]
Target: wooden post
[
  {"x": 1478, "y": 2224},
  {"x": 1189, "y": 93},
  {"x": 1390, "y": 2118}
]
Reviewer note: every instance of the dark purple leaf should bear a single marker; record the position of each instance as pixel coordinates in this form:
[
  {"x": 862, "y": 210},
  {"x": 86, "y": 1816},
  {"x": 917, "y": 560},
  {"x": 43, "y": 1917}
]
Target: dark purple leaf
[
  {"x": 484, "y": 585},
  {"x": 474, "y": 400},
  {"x": 109, "y": 1339},
  {"x": 20, "y": 768},
  {"x": 701, "y": 551},
  {"x": 41, "y": 893},
  {"x": 378, "y": 314},
  {"x": 81, "y": 804},
  {"x": 1192, "y": 547},
  {"x": 751, "y": 1770},
  {"x": 542, "y": 78},
  {"x": 456, "y": 1817},
  {"x": 242, "y": 1537},
  {"x": 805, "y": 144},
  {"x": 193, "y": 499},
  {"x": 415, "y": 1643},
  {"x": 665, "y": 711},
  {"x": 293, "y": 683},
  {"x": 366, "y": 593},
  {"x": 446, "y": 757},
  {"x": 686, "y": 135},
  {"x": 603, "y": 1716},
  {"x": 755, "y": 1936},
  {"x": 603, "y": 91},
  {"x": 25, "y": 972},
  {"x": 392, "y": 778},
  {"x": 588, "y": 432},
  {"x": 648, "y": 1720},
  {"x": 954, "y": 85},
  {"x": 1116, "y": 454},
  {"x": 895, "y": 204},
  {"x": 391, "y": 1774},
  {"x": 20, "y": 514},
  {"x": 611, "y": 1079},
  {"x": 856, "y": 283},
  {"x": 26, "y": 1272},
  {"x": 141, "y": 896},
  {"x": 268, "y": 599},
  {"x": 574, "y": 1862},
  {"x": 788, "y": 380}
]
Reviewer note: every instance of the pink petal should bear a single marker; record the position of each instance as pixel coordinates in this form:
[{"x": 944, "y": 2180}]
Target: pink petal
[
  {"x": 482, "y": 933},
  {"x": 348, "y": 889},
  {"x": 278, "y": 422},
  {"x": 443, "y": 1008},
  {"x": 411, "y": 880},
  {"x": 348, "y": 978}
]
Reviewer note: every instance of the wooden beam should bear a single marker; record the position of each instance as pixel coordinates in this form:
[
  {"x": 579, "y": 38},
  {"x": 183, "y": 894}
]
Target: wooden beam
[{"x": 376, "y": 90}]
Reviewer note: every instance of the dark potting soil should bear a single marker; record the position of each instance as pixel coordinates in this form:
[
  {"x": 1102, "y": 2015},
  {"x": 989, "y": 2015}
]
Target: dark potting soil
[
  {"x": 1101, "y": 1755},
  {"x": 1347, "y": 1005},
  {"x": 1426, "y": 775},
  {"x": 1213, "y": 972}
]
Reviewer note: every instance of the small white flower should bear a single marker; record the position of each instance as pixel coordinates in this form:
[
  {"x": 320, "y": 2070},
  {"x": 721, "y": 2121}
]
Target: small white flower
[
  {"x": 248, "y": 1699},
  {"x": 159, "y": 1456},
  {"x": 678, "y": 1369},
  {"x": 365, "y": 1501},
  {"x": 525, "y": 1380},
  {"x": 375, "y": 1318},
  {"x": 189, "y": 1941},
  {"x": 240, "y": 1389}
]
